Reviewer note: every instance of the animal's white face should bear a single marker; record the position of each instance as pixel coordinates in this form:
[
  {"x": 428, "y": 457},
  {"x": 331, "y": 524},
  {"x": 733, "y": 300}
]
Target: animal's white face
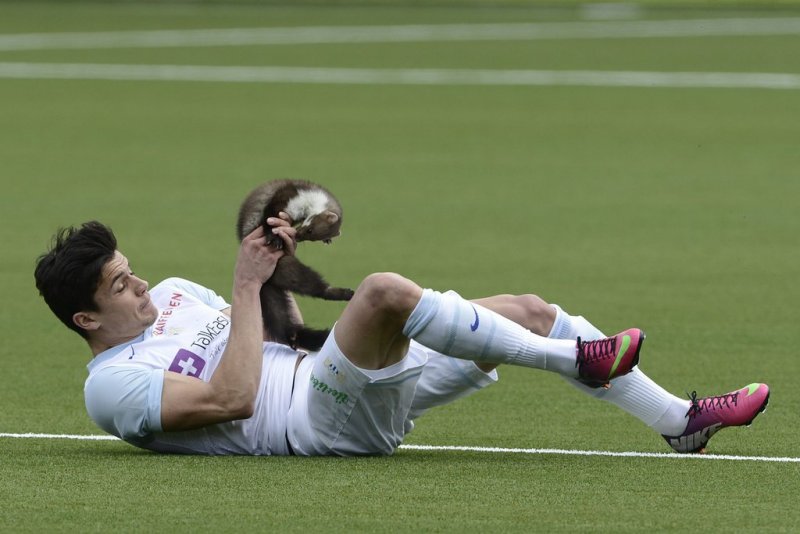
[{"x": 321, "y": 227}]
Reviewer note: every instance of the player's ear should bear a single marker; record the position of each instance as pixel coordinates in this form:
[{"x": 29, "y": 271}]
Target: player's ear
[{"x": 86, "y": 320}]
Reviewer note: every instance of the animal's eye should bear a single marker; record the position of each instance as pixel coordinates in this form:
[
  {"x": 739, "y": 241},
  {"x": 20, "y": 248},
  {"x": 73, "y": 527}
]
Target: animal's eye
[{"x": 309, "y": 231}]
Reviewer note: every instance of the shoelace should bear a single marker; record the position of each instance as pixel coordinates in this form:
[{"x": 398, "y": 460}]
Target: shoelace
[
  {"x": 710, "y": 403},
  {"x": 589, "y": 351}
]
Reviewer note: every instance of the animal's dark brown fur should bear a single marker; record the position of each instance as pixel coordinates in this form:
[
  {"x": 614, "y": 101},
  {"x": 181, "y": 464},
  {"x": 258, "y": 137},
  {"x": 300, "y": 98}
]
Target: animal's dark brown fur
[{"x": 318, "y": 217}]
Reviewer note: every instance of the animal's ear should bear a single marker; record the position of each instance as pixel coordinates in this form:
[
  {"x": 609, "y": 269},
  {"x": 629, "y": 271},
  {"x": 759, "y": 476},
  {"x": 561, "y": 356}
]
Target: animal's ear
[{"x": 330, "y": 217}]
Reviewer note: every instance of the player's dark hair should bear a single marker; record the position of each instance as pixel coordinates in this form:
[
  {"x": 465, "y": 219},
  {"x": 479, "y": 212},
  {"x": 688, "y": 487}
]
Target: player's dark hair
[{"x": 68, "y": 275}]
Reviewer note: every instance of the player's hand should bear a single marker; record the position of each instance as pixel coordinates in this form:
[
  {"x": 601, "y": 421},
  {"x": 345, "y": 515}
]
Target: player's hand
[
  {"x": 256, "y": 260},
  {"x": 283, "y": 229}
]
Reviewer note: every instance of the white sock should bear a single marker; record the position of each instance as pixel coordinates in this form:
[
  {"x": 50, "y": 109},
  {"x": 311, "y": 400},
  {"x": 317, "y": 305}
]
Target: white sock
[
  {"x": 634, "y": 392},
  {"x": 451, "y": 325},
  {"x": 573, "y": 326}
]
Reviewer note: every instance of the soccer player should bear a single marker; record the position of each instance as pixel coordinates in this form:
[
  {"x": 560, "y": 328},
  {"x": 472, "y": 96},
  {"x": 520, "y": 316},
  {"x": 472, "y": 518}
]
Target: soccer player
[{"x": 178, "y": 369}]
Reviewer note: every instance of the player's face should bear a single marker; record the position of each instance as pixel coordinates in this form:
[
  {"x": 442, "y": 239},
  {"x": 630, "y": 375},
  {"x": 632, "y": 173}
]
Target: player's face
[{"x": 125, "y": 308}]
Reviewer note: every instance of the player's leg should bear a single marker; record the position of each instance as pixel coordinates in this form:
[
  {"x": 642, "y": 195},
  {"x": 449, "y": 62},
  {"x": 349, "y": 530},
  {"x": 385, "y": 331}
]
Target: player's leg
[
  {"x": 446, "y": 379},
  {"x": 634, "y": 392},
  {"x": 637, "y": 394},
  {"x": 388, "y": 309},
  {"x": 686, "y": 425},
  {"x": 355, "y": 395}
]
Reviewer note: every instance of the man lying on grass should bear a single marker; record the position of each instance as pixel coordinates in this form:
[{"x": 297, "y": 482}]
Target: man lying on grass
[{"x": 178, "y": 369}]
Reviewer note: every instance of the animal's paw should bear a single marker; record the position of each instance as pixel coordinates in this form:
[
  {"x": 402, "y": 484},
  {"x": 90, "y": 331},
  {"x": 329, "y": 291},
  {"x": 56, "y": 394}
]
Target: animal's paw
[{"x": 275, "y": 242}]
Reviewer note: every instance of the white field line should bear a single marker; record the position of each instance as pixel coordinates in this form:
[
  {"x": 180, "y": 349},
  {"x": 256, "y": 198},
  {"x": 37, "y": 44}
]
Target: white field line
[
  {"x": 457, "y": 448},
  {"x": 303, "y": 75},
  {"x": 401, "y": 33},
  {"x": 629, "y": 454},
  {"x": 82, "y": 437}
]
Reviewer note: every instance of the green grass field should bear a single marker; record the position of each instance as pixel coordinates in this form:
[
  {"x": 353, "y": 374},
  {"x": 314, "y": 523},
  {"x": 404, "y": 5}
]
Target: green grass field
[{"x": 671, "y": 209}]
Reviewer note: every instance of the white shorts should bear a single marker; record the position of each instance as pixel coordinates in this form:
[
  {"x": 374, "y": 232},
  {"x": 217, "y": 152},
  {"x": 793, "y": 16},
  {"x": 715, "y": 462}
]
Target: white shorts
[{"x": 340, "y": 409}]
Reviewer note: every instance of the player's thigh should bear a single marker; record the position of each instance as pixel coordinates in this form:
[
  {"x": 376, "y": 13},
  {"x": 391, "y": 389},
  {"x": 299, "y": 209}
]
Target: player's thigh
[
  {"x": 341, "y": 409},
  {"x": 446, "y": 379}
]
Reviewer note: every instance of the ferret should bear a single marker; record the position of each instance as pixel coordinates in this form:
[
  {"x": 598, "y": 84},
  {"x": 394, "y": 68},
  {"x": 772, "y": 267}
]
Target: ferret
[{"x": 317, "y": 215}]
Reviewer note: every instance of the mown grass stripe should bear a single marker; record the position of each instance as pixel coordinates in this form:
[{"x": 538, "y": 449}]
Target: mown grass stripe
[
  {"x": 522, "y": 31},
  {"x": 354, "y": 76}
]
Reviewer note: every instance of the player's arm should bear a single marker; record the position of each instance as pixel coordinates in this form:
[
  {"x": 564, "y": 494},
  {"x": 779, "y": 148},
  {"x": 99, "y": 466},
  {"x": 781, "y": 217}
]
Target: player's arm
[{"x": 188, "y": 403}]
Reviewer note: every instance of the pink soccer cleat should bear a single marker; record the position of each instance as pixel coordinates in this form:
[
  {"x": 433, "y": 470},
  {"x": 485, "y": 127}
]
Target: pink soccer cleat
[
  {"x": 709, "y": 415},
  {"x": 601, "y": 360}
]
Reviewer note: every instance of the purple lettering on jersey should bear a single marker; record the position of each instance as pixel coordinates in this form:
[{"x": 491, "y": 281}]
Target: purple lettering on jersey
[{"x": 187, "y": 363}]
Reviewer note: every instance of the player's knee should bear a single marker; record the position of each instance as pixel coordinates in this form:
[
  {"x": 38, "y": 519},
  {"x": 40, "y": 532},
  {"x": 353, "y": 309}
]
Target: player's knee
[
  {"x": 538, "y": 314},
  {"x": 388, "y": 292}
]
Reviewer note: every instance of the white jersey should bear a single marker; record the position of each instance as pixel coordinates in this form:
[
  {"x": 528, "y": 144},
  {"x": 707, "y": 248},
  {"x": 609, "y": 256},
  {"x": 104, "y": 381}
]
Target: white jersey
[{"x": 123, "y": 390}]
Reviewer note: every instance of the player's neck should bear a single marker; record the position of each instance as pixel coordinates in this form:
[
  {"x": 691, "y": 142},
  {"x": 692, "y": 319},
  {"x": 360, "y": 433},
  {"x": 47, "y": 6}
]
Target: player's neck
[{"x": 100, "y": 343}]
